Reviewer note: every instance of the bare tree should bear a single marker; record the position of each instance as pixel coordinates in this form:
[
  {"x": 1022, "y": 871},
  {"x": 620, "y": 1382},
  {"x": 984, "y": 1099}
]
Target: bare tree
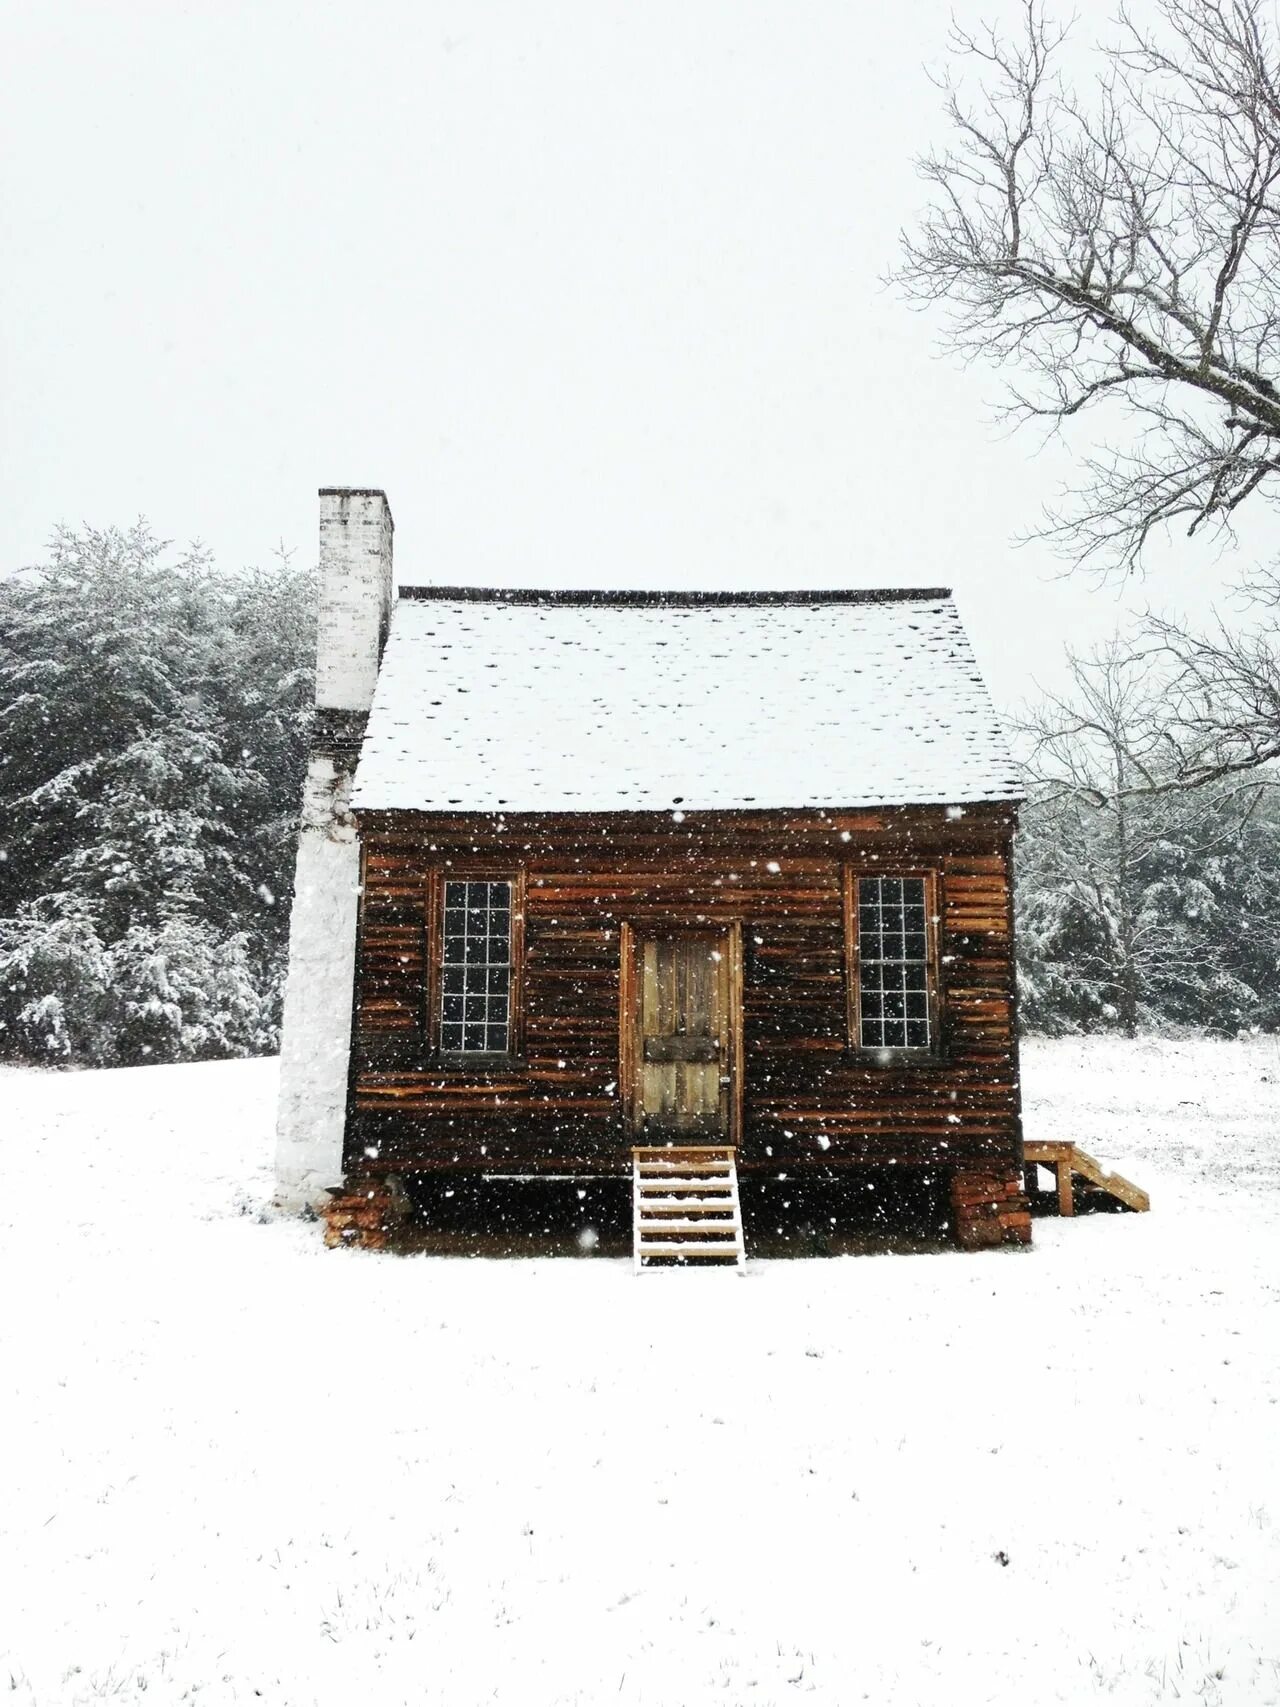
[
  {"x": 1121, "y": 252},
  {"x": 1094, "y": 754},
  {"x": 1221, "y": 698}
]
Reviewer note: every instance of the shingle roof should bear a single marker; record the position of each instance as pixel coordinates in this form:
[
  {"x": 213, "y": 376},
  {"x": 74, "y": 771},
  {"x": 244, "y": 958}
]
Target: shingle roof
[{"x": 626, "y": 702}]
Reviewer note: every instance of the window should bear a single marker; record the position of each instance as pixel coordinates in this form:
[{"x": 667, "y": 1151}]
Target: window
[
  {"x": 475, "y": 967},
  {"x": 893, "y": 971}
]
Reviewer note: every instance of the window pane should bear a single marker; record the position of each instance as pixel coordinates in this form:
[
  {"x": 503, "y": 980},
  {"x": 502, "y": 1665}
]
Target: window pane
[
  {"x": 476, "y": 975},
  {"x": 893, "y": 963}
]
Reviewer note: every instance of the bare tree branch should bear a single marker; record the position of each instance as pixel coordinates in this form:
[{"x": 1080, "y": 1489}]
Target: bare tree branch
[{"x": 1121, "y": 255}]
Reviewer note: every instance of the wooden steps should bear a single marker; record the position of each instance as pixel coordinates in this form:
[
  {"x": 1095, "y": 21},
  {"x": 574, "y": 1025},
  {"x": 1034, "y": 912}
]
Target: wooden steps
[
  {"x": 685, "y": 1205},
  {"x": 1080, "y": 1178}
]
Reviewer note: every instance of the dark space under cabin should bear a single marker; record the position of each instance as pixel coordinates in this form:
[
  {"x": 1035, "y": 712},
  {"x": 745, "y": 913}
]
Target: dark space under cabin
[{"x": 676, "y": 889}]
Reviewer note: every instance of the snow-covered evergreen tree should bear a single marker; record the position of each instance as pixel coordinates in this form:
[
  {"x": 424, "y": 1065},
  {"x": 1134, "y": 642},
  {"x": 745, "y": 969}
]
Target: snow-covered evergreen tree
[{"x": 153, "y": 717}]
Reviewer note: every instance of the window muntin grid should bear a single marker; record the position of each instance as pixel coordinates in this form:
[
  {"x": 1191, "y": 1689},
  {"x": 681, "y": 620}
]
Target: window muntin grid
[
  {"x": 893, "y": 963},
  {"x": 475, "y": 975}
]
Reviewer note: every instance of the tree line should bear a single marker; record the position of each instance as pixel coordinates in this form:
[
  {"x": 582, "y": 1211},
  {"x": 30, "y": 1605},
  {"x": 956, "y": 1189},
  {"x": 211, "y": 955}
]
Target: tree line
[{"x": 154, "y": 719}]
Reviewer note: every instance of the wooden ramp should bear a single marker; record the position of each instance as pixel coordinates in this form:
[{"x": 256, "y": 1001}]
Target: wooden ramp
[
  {"x": 685, "y": 1205},
  {"x": 1080, "y": 1179}
]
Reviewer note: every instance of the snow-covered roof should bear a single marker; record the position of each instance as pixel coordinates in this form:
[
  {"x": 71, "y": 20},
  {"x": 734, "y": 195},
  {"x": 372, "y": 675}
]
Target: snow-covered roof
[{"x": 564, "y": 702}]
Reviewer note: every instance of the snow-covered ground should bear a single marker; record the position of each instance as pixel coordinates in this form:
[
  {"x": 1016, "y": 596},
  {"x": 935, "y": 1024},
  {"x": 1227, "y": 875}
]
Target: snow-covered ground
[{"x": 243, "y": 1469}]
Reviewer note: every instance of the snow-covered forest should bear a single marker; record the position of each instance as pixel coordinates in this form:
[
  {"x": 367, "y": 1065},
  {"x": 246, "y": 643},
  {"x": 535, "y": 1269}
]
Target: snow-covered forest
[
  {"x": 1152, "y": 913},
  {"x": 155, "y": 714},
  {"x": 1149, "y": 863},
  {"x": 155, "y": 711}
]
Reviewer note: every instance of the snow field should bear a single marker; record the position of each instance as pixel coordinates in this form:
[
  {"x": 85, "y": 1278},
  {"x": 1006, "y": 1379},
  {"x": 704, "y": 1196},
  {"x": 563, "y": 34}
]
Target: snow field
[{"x": 245, "y": 1469}]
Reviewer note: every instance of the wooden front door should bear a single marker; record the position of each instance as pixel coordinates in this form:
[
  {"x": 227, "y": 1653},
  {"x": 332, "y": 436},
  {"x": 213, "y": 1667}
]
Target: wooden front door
[{"x": 683, "y": 1056}]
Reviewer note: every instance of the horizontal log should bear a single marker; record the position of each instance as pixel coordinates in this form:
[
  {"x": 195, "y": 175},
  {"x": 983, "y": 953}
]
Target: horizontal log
[{"x": 662, "y": 1050}]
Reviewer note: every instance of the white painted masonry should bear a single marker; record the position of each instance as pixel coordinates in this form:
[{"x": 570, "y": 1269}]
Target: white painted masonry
[
  {"x": 316, "y": 1032},
  {"x": 355, "y": 605},
  {"x": 355, "y": 596}
]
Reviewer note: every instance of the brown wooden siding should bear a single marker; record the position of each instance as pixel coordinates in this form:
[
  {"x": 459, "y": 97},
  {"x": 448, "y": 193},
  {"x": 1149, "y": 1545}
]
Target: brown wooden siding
[{"x": 808, "y": 1098}]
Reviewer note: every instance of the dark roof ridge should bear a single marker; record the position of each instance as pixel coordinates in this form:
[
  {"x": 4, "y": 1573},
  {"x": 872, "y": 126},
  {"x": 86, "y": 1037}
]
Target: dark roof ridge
[{"x": 637, "y": 596}]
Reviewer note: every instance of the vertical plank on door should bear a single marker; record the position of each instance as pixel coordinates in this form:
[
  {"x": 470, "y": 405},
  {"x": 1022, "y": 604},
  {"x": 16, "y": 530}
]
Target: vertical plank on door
[{"x": 684, "y": 991}]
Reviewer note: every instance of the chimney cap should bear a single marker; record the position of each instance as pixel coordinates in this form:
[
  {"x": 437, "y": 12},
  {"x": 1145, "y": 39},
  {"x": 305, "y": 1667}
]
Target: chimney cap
[{"x": 360, "y": 492}]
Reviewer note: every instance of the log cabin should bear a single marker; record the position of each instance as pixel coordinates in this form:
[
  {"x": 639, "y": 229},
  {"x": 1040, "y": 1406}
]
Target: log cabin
[{"x": 670, "y": 888}]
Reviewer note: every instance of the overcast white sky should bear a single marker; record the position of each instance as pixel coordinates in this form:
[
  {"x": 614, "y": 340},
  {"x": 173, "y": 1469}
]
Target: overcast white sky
[{"x": 591, "y": 288}]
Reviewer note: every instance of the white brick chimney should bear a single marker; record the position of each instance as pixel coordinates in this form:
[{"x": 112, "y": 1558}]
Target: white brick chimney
[{"x": 355, "y": 610}]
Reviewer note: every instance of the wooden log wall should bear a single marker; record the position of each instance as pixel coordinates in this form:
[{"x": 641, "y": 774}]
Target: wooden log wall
[{"x": 809, "y": 1099}]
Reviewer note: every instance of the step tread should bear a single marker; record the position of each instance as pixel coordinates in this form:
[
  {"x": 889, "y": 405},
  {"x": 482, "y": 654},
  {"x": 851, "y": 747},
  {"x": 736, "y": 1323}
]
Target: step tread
[
  {"x": 677, "y": 1188},
  {"x": 713, "y": 1229},
  {"x": 697, "y": 1152},
  {"x": 693, "y": 1250},
  {"x": 716, "y": 1213},
  {"x": 684, "y": 1171}
]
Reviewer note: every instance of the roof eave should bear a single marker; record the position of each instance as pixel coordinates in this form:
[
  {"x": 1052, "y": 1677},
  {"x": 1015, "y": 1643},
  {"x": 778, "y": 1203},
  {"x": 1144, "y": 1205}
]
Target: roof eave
[{"x": 633, "y": 597}]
